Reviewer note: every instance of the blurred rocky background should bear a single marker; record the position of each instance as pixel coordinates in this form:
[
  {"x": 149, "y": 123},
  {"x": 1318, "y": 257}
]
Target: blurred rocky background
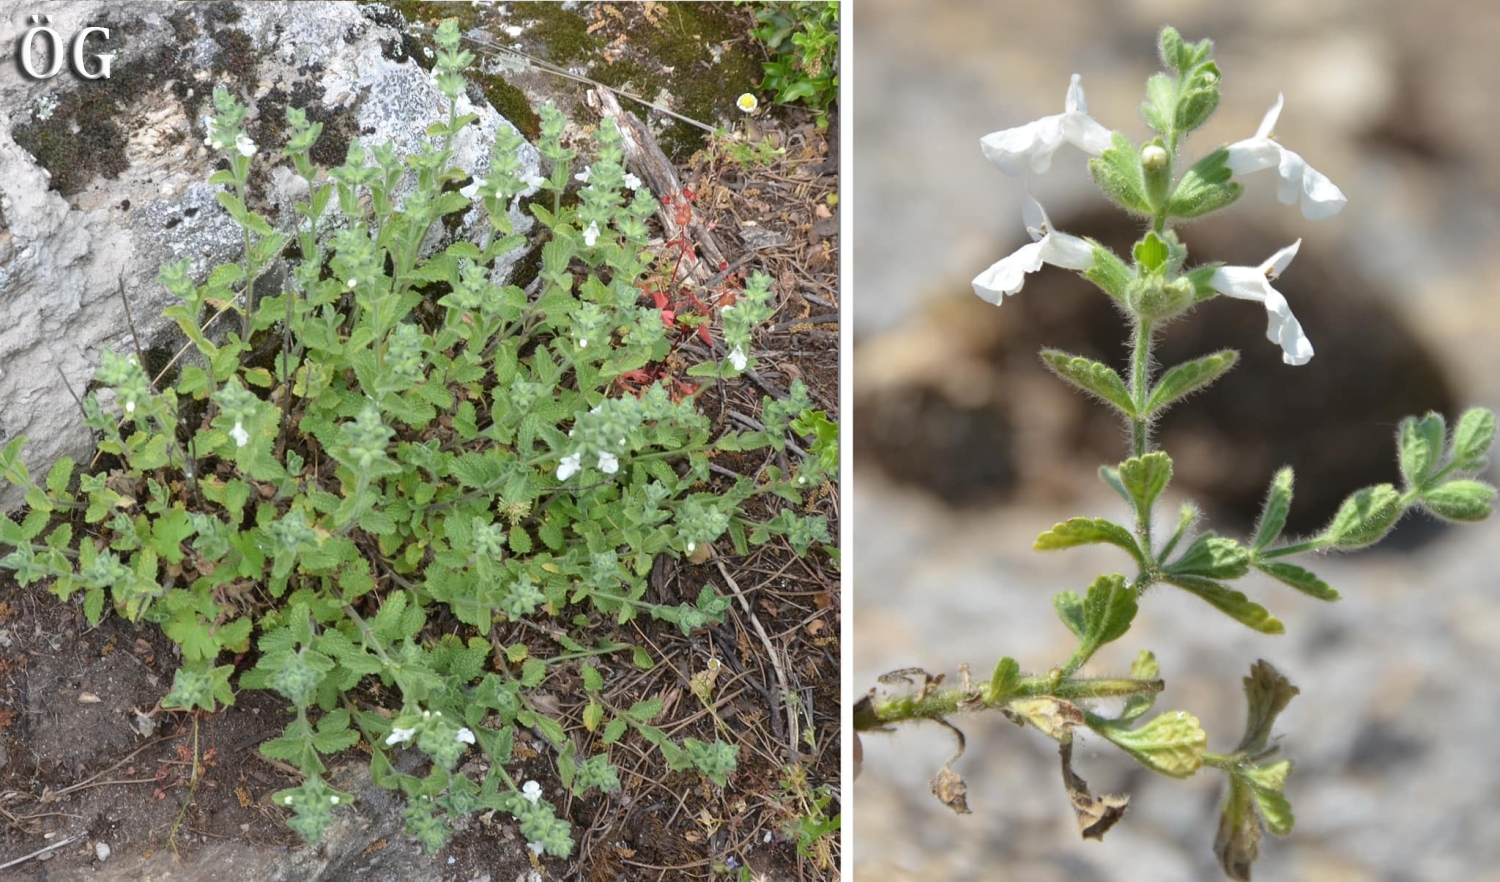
[{"x": 966, "y": 448}]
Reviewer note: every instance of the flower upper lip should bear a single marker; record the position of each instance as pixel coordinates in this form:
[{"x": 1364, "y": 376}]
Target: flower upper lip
[
  {"x": 1320, "y": 198},
  {"x": 1030, "y": 147}
]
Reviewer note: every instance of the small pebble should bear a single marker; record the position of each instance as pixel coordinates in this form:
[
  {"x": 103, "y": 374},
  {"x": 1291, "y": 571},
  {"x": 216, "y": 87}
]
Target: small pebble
[{"x": 101, "y": 850}]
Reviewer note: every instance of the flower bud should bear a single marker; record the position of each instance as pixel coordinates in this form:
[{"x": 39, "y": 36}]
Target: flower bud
[{"x": 1156, "y": 170}]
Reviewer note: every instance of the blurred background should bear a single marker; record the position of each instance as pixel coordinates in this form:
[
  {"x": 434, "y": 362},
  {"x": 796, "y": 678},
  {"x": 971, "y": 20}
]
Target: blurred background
[{"x": 966, "y": 449}]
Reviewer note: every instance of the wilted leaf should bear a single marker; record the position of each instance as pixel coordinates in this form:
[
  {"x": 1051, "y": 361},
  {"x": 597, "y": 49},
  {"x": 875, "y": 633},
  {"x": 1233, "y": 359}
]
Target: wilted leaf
[
  {"x": 1052, "y": 716},
  {"x": 1267, "y": 693},
  {"x": 1096, "y": 814},
  {"x": 949, "y": 787}
]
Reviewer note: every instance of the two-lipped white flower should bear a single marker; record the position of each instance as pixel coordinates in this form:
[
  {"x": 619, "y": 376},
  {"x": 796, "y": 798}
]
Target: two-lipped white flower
[
  {"x": 532, "y": 791},
  {"x": 238, "y": 433},
  {"x": 399, "y": 736},
  {"x": 1030, "y": 147},
  {"x": 1047, "y": 246},
  {"x": 591, "y": 235},
  {"x": 243, "y": 144},
  {"x": 738, "y": 358},
  {"x": 465, "y": 735},
  {"x": 632, "y": 182},
  {"x": 608, "y": 462},
  {"x": 571, "y": 465},
  {"x": 1320, "y": 198},
  {"x": 1254, "y": 283}
]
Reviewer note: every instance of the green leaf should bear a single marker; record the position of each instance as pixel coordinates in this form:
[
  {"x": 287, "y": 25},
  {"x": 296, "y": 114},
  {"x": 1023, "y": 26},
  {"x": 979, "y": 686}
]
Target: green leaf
[
  {"x": 1006, "y": 678},
  {"x": 60, "y": 475},
  {"x": 1070, "y": 609},
  {"x": 1205, "y": 188},
  {"x": 593, "y": 681},
  {"x": 1172, "y": 49},
  {"x": 1159, "y": 108},
  {"x": 520, "y": 540},
  {"x": 533, "y": 672},
  {"x": 1184, "y": 379},
  {"x": 645, "y": 711},
  {"x": 1117, "y": 171},
  {"x": 1273, "y": 513},
  {"x": 1144, "y": 478},
  {"x": 1266, "y": 782},
  {"x": 1212, "y": 557},
  {"x": 1143, "y": 668},
  {"x": 1298, "y": 578},
  {"x": 1109, "y": 272},
  {"x": 613, "y": 730},
  {"x": 1420, "y": 446},
  {"x": 1365, "y": 517},
  {"x": 1462, "y": 500},
  {"x": 1086, "y": 531},
  {"x": 1472, "y": 438},
  {"x": 1171, "y": 743},
  {"x": 1108, "y": 610},
  {"x": 1232, "y": 603},
  {"x": 1097, "y": 379}
]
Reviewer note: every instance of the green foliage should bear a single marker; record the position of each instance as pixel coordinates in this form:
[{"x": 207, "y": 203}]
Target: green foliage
[
  {"x": 426, "y": 457},
  {"x": 802, "y": 37}
]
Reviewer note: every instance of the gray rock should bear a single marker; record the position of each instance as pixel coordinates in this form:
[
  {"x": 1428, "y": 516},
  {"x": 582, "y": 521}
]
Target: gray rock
[{"x": 126, "y": 188}]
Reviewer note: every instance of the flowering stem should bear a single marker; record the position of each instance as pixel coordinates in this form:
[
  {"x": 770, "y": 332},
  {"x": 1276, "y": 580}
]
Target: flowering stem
[
  {"x": 940, "y": 703},
  {"x": 1140, "y": 376}
]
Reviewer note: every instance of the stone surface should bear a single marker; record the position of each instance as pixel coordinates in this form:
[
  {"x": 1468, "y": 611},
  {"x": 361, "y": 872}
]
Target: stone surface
[{"x": 132, "y": 194}]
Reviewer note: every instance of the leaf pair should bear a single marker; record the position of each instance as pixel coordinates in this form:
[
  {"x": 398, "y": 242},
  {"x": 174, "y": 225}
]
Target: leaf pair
[{"x": 1105, "y": 383}]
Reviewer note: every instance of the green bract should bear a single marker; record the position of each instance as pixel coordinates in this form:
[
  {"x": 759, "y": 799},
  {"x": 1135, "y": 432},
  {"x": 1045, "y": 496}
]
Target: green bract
[{"x": 394, "y": 456}]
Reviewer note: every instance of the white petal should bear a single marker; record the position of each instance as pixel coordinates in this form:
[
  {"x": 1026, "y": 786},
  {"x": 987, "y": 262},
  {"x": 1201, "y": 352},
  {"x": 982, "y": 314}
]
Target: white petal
[
  {"x": 585, "y": 174},
  {"x": 738, "y": 359},
  {"x": 1252, "y": 155},
  {"x": 240, "y": 436},
  {"x": 1068, "y": 252},
  {"x": 1075, "y": 102},
  {"x": 632, "y": 181},
  {"x": 591, "y": 235},
  {"x": 465, "y": 735},
  {"x": 1321, "y": 198},
  {"x": 1241, "y": 282},
  {"x": 399, "y": 736},
  {"x": 1008, "y": 274},
  {"x": 1277, "y": 263},
  {"x": 532, "y": 791},
  {"x": 470, "y": 191},
  {"x": 1024, "y": 148},
  {"x": 1268, "y": 122},
  {"x": 243, "y": 144},
  {"x": 570, "y": 466},
  {"x": 608, "y": 463}
]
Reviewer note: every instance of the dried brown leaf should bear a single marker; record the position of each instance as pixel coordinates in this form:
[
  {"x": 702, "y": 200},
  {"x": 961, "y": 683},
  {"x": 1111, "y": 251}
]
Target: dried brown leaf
[{"x": 1096, "y": 814}]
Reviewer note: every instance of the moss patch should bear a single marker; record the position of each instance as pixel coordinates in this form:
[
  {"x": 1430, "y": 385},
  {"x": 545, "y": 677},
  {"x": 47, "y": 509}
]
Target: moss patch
[{"x": 563, "y": 33}]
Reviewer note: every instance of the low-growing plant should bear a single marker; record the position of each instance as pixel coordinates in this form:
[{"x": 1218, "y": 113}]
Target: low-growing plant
[
  {"x": 395, "y": 457},
  {"x": 802, "y": 37},
  {"x": 1154, "y": 287}
]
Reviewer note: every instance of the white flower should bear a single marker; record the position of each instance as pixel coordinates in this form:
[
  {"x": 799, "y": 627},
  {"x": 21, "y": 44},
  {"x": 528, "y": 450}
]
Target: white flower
[
  {"x": 465, "y": 735},
  {"x": 1047, "y": 246},
  {"x": 1030, "y": 147},
  {"x": 352, "y": 282},
  {"x": 399, "y": 736},
  {"x": 738, "y": 359},
  {"x": 632, "y": 181},
  {"x": 243, "y": 144},
  {"x": 692, "y": 547},
  {"x": 591, "y": 235},
  {"x": 532, "y": 791},
  {"x": 334, "y": 800},
  {"x": 536, "y": 848},
  {"x": 130, "y": 408},
  {"x": 287, "y": 801},
  {"x": 570, "y": 466},
  {"x": 240, "y": 436},
  {"x": 747, "y": 102},
  {"x": 583, "y": 342},
  {"x": 533, "y": 181},
  {"x": 1320, "y": 197},
  {"x": 584, "y": 175},
  {"x": 1254, "y": 283},
  {"x": 608, "y": 463},
  {"x": 470, "y": 191}
]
